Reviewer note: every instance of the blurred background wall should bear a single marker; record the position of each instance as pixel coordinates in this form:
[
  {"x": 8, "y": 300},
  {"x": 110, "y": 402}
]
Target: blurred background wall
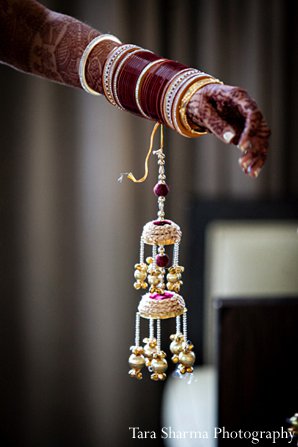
[{"x": 70, "y": 232}]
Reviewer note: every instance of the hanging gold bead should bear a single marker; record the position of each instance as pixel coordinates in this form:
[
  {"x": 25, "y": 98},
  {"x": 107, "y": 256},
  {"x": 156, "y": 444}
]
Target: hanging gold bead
[
  {"x": 172, "y": 277},
  {"x": 176, "y": 286},
  {"x": 153, "y": 280},
  {"x": 141, "y": 266},
  {"x": 137, "y": 285},
  {"x": 159, "y": 363},
  {"x": 187, "y": 358},
  {"x": 150, "y": 349},
  {"x": 136, "y": 361},
  {"x": 136, "y": 373},
  {"x": 176, "y": 347},
  {"x": 140, "y": 275}
]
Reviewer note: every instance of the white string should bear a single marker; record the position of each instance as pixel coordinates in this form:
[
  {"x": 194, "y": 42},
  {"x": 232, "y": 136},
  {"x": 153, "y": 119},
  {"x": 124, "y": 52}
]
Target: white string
[
  {"x": 137, "y": 334},
  {"x": 185, "y": 325},
  {"x": 158, "y": 334},
  {"x": 176, "y": 254},
  {"x": 151, "y": 328},
  {"x": 178, "y": 324},
  {"x": 154, "y": 256},
  {"x": 142, "y": 251}
]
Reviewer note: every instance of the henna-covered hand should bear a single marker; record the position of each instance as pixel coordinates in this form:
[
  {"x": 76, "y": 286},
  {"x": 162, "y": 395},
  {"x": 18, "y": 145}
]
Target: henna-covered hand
[{"x": 234, "y": 117}]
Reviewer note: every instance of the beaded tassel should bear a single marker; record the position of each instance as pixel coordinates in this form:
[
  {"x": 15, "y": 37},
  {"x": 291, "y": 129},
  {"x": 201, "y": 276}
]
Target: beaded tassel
[
  {"x": 137, "y": 360},
  {"x": 163, "y": 300}
]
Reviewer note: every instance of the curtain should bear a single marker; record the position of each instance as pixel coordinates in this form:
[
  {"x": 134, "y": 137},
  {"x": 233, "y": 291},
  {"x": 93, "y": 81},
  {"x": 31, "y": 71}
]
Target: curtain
[{"x": 70, "y": 231}]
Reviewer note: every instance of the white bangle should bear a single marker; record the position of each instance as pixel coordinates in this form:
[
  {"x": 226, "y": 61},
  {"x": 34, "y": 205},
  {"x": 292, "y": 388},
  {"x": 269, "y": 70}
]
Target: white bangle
[
  {"x": 110, "y": 66},
  {"x": 87, "y": 51}
]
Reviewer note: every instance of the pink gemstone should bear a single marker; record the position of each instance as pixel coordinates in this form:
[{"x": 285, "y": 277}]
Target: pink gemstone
[
  {"x": 162, "y": 260},
  {"x": 161, "y": 189},
  {"x": 158, "y": 296}
]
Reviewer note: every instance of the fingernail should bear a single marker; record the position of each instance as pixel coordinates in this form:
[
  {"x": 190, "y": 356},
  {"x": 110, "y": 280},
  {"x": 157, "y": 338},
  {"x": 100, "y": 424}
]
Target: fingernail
[
  {"x": 243, "y": 169},
  {"x": 244, "y": 163},
  {"x": 253, "y": 172},
  {"x": 247, "y": 145},
  {"x": 228, "y": 136}
]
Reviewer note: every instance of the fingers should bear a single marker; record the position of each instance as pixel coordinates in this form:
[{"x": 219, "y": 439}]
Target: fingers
[
  {"x": 252, "y": 164},
  {"x": 239, "y": 111},
  {"x": 253, "y": 141},
  {"x": 231, "y": 115},
  {"x": 253, "y": 157},
  {"x": 254, "y": 144},
  {"x": 254, "y": 132}
]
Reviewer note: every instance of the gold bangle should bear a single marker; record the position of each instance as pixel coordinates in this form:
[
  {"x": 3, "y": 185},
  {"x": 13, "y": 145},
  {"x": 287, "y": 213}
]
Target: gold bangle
[
  {"x": 170, "y": 92},
  {"x": 177, "y": 125},
  {"x": 85, "y": 55},
  {"x": 184, "y": 127}
]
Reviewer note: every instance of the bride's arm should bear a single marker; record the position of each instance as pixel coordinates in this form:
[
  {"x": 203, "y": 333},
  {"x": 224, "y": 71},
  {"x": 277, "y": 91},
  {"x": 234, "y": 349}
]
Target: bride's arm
[{"x": 48, "y": 44}]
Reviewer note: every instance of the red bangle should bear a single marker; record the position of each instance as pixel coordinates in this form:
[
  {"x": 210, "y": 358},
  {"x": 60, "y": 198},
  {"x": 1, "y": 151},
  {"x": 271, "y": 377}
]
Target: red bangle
[
  {"x": 140, "y": 81},
  {"x": 128, "y": 78},
  {"x": 145, "y": 91},
  {"x": 159, "y": 89},
  {"x": 154, "y": 85}
]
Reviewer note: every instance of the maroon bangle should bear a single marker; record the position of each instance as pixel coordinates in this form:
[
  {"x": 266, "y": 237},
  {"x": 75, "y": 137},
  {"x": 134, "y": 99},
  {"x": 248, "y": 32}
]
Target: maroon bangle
[
  {"x": 145, "y": 91},
  {"x": 154, "y": 85},
  {"x": 128, "y": 77}
]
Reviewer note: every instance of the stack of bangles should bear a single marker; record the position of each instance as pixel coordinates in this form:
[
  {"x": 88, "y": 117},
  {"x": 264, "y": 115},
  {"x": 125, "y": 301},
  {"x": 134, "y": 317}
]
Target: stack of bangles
[{"x": 147, "y": 85}]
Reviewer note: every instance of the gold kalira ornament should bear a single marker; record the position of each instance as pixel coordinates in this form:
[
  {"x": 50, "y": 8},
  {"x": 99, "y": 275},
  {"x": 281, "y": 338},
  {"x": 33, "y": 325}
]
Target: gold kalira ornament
[
  {"x": 162, "y": 278},
  {"x": 136, "y": 361}
]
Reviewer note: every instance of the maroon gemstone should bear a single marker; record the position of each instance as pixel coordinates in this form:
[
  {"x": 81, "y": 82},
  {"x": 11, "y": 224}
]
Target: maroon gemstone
[
  {"x": 162, "y": 260},
  {"x": 162, "y": 222},
  {"x": 161, "y": 189}
]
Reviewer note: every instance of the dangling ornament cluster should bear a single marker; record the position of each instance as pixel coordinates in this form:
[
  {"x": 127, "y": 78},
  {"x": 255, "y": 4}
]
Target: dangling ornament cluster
[{"x": 163, "y": 299}]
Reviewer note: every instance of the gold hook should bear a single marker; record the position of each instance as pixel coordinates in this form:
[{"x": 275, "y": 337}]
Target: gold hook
[{"x": 130, "y": 175}]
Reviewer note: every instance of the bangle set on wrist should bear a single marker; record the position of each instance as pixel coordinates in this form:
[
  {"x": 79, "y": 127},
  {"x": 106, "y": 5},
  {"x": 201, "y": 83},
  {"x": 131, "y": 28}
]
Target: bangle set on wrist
[
  {"x": 82, "y": 65},
  {"x": 139, "y": 81}
]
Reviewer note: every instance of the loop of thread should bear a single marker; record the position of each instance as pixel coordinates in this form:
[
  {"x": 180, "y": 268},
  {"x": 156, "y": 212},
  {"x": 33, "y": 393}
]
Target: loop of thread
[{"x": 130, "y": 175}]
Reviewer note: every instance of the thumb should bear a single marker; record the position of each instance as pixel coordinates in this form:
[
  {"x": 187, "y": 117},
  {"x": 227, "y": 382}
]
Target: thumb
[{"x": 221, "y": 128}]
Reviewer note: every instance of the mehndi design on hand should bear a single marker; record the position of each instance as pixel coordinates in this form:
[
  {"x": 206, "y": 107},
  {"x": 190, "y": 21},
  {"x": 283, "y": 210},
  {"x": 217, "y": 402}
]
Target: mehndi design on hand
[{"x": 234, "y": 117}]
